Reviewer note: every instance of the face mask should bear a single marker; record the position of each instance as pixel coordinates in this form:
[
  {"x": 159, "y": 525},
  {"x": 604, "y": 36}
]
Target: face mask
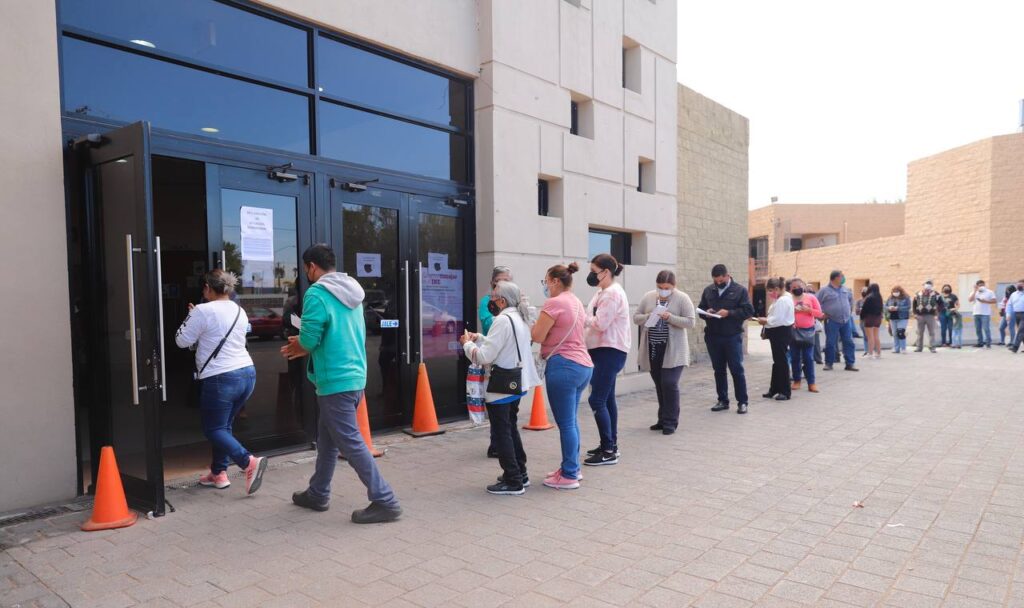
[
  {"x": 947, "y": 292},
  {"x": 722, "y": 284},
  {"x": 493, "y": 308},
  {"x": 798, "y": 291},
  {"x": 842, "y": 281},
  {"x": 592, "y": 279},
  {"x": 928, "y": 286},
  {"x": 664, "y": 292},
  {"x": 895, "y": 294},
  {"x": 547, "y": 292}
]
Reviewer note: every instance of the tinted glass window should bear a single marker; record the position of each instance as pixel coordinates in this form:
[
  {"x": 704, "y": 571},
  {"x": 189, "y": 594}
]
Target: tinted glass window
[
  {"x": 619, "y": 244},
  {"x": 104, "y": 82},
  {"x": 368, "y": 139},
  {"x": 366, "y": 78},
  {"x": 199, "y": 29}
]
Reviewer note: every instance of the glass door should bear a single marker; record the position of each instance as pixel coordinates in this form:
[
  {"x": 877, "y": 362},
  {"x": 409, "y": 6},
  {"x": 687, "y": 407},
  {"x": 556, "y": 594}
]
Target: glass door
[
  {"x": 259, "y": 225},
  {"x": 127, "y": 328}
]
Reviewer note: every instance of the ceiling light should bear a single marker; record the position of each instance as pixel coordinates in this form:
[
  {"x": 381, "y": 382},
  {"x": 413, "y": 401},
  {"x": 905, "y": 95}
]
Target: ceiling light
[
  {"x": 145, "y": 43},
  {"x": 210, "y": 130}
]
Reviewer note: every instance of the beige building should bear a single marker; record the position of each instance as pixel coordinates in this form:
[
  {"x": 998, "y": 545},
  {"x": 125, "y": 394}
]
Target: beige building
[{"x": 962, "y": 221}]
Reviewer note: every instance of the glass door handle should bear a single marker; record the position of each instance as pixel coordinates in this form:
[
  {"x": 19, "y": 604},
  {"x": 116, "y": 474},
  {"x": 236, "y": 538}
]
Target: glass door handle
[
  {"x": 132, "y": 335},
  {"x": 223, "y": 261},
  {"x": 419, "y": 309},
  {"x": 408, "y": 328},
  {"x": 162, "y": 381}
]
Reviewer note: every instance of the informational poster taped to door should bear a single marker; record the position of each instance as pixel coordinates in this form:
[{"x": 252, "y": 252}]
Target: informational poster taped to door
[
  {"x": 367, "y": 264},
  {"x": 257, "y": 234},
  {"x": 441, "y": 311},
  {"x": 437, "y": 263}
]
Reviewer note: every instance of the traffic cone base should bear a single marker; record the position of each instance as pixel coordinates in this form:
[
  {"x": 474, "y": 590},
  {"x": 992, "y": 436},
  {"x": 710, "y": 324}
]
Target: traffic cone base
[
  {"x": 110, "y": 508},
  {"x": 538, "y": 413},
  {"x": 424, "y": 416}
]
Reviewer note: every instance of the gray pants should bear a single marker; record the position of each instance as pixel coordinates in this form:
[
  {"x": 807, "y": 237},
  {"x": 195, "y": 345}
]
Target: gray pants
[
  {"x": 338, "y": 430},
  {"x": 926, "y": 322}
]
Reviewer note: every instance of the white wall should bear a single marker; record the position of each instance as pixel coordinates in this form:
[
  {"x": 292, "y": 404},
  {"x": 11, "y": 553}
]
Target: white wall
[{"x": 37, "y": 436}]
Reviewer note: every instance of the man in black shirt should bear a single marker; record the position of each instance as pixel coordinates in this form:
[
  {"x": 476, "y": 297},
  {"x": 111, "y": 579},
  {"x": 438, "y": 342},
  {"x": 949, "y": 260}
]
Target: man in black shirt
[{"x": 724, "y": 336}]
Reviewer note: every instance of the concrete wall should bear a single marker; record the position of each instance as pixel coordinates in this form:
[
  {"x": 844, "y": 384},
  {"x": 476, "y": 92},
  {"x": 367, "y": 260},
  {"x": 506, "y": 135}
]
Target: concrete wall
[
  {"x": 713, "y": 194},
  {"x": 37, "y": 437},
  {"x": 964, "y": 215},
  {"x": 850, "y": 223}
]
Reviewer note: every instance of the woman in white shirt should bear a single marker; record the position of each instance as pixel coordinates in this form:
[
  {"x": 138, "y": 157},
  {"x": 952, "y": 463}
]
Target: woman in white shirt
[
  {"x": 779, "y": 331},
  {"x": 506, "y": 346},
  {"x": 226, "y": 377}
]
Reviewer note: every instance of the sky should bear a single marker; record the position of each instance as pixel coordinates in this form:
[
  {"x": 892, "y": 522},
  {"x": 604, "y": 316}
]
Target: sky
[{"x": 842, "y": 95}]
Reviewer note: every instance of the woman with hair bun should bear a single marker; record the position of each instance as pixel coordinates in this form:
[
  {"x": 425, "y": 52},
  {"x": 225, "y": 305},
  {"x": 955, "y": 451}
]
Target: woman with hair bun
[
  {"x": 608, "y": 339},
  {"x": 226, "y": 377}
]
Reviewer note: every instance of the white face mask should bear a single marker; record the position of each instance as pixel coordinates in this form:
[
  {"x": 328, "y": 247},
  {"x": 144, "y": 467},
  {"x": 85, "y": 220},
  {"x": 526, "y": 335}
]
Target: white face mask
[{"x": 664, "y": 292}]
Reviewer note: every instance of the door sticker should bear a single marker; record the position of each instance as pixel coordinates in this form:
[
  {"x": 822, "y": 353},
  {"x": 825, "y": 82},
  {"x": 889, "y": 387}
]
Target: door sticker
[
  {"x": 388, "y": 323},
  {"x": 368, "y": 265},
  {"x": 437, "y": 263}
]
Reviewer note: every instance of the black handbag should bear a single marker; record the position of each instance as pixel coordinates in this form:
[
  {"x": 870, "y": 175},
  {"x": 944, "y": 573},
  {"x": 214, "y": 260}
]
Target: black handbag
[
  {"x": 803, "y": 336},
  {"x": 504, "y": 381}
]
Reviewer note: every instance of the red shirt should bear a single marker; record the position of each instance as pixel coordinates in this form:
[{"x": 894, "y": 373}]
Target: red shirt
[{"x": 805, "y": 319}]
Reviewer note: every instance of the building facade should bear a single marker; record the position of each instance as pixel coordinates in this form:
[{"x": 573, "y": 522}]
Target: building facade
[
  {"x": 424, "y": 141},
  {"x": 963, "y": 211}
]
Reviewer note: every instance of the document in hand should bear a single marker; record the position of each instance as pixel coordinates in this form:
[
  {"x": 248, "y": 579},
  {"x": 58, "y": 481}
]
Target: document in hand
[
  {"x": 701, "y": 311},
  {"x": 296, "y": 321},
  {"x": 653, "y": 319}
]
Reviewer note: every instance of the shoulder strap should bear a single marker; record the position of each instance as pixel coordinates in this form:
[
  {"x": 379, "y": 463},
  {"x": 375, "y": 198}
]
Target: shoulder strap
[
  {"x": 216, "y": 351},
  {"x": 519, "y": 354},
  {"x": 575, "y": 317}
]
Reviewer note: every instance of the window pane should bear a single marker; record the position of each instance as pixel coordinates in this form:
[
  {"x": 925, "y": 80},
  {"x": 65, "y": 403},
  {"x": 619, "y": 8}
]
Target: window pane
[
  {"x": 600, "y": 242},
  {"x": 200, "y": 29},
  {"x": 104, "y": 82},
  {"x": 369, "y": 139},
  {"x": 367, "y": 78}
]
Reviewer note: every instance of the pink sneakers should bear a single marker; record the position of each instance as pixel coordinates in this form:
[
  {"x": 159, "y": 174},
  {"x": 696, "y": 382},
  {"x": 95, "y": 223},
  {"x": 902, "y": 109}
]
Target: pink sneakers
[
  {"x": 579, "y": 476},
  {"x": 219, "y": 481},
  {"x": 558, "y": 482},
  {"x": 254, "y": 474}
]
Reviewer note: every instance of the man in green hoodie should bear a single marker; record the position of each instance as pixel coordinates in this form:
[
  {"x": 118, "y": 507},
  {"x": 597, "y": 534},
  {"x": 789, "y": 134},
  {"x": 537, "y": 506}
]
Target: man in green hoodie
[{"x": 333, "y": 334}]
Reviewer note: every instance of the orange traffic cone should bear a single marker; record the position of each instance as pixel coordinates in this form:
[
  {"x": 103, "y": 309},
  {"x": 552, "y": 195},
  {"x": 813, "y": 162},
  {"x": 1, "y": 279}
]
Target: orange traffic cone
[
  {"x": 363, "y": 416},
  {"x": 424, "y": 418},
  {"x": 110, "y": 509},
  {"x": 539, "y": 413}
]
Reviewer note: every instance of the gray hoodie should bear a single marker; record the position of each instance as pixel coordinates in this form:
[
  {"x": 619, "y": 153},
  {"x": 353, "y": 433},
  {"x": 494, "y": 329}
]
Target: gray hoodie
[{"x": 347, "y": 290}]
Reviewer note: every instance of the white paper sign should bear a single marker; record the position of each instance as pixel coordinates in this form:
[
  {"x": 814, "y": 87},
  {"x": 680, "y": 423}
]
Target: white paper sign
[
  {"x": 257, "y": 234},
  {"x": 367, "y": 264},
  {"x": 437, "y": 263}
]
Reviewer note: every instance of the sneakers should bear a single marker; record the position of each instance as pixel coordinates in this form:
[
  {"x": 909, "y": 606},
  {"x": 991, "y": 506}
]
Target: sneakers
[
  {"x": 602, "y": 458},
  {"x": 828, "y": 367},
  {"x": 657, "y": 426},
  {"x": 526, "y": 480},
  {"x": 376, "y": 513},
  {"x": 579, "y": 476},
  {"x": 720, "y": 406},
  {"x": 254, "y": 474},
  {"x": 504, "y": 488},
  {"x": 219, "y": 481},
  {"x": 307, "y": 501},
  {"x": 560, "y": 482},
  {"x": 851, "y": 368},
  {"x": 598, "y": 450},
  {"x": 741, "y": 408}
]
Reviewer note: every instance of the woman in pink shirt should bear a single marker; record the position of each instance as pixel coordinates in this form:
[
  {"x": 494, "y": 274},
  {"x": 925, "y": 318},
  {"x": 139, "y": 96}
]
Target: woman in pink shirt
[
  {"x": 608, "y": 339},
  {"x": 801, "y": 351}
]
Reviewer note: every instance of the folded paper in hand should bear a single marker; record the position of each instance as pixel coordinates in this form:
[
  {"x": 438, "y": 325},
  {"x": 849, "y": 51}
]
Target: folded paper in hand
[
  {"x": 655, "y": 316},
  {"x": 708, "y": 314},
  {"x": 296, "y": 321}
]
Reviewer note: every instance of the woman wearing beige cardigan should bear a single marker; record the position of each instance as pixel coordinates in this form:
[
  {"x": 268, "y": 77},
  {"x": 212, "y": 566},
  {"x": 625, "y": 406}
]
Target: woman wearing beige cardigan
[{"x": 664, "y": 315}]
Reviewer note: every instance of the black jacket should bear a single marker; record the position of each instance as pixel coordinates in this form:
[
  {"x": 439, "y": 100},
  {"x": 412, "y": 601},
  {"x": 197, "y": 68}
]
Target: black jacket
[{"x": 734, "y": 299}]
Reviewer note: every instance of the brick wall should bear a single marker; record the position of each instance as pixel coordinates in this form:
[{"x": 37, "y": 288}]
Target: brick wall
[{"x": 712, "y": 190}]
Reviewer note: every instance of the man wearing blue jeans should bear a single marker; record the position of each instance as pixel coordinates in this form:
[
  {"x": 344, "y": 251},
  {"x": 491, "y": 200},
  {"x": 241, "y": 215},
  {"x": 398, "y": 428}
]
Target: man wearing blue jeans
[
  {"x": 333, "y": 333},
  {"x": 837, "y": 304},
  {"x": 983, "y": 299},
  {"x": 723, "y": 335}
]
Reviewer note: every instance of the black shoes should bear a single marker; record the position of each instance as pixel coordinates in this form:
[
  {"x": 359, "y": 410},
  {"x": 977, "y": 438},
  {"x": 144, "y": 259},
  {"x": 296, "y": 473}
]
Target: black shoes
[
  {"x": 721, "y": 405},
  {"x": 308, "y": 501},
  {"x": 376, "y": 513},
  {"x": 526, "y": 480},
  {"x": 667, "y": 431},
  {"x": 492, "y": 453},
  {"x": 851, "y": 368},
  {"x": 782, "y": 397},
  {"x": 602, "y": 458},
  {"x": 657, "y": 427},
  {"x": 827, "y": 367},
  {"x": 503, "y": 488},
  {"x": 741, "y": 408},
  {"x": 768, "y": 395},
  {"x": 598, "y": 450}
]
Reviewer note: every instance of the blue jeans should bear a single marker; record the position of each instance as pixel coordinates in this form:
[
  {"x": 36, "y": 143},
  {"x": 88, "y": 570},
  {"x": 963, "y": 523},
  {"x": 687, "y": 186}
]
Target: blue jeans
[
  {"x": 983, "y": 329},
  {"x": 958, "y": 336},
  {"x": 899, "y": 344},
  {"x": 833, "y": 333},
  {"x": 1007, "y": 326},
  {"x": 802, "y": 356},
  {"x": 338, "y": 431},
  {"x": 566, "y": 380},
  {"x": 608, "y": 362},
  {"x": 946, "y": 329},
  {"x": 727, "y": 352},
  {"x": 220, "y": 399}
]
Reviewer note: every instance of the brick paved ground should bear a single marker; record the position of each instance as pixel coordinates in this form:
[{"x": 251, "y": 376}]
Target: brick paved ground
[{"x": 730, "y": 511}]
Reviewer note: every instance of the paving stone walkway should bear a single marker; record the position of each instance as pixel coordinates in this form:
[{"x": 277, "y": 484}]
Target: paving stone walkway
[{"x": 730, "y": 511}]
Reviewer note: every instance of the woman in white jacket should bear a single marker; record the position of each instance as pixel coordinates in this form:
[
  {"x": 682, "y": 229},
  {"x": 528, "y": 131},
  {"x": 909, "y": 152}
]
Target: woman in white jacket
[{"x": 506, "y": 345}]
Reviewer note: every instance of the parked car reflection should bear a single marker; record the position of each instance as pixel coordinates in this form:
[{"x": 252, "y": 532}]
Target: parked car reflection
[{"x": 264, "y": 323}]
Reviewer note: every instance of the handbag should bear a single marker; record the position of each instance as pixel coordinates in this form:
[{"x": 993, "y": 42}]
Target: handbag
[
  {"x": 540, "y": 361},
  {"x": 803, "y": 336},
  {"x": 504, "y": 381},
  {"x": 764, "y": 332}
]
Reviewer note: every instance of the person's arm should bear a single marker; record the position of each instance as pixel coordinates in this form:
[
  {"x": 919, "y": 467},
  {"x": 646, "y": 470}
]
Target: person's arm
[
  {"x": 970, "y": 298},
  {"x": 991, "y": 299},
  {"x": 486, "y": 351},
  {"x": 542, "y": 327},
  {"x": 744, "y": 309},
  {"x": 688, "y": 318},
  {"x": 190, "y": 330},
  {"x": 486, "y": 318},
  {"x": 607, "y": 310},
  {"x": 314, "y": 321}
]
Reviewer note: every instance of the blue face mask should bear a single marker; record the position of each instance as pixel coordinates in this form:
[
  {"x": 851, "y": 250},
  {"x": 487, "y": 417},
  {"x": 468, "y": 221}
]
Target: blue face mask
[{"x": 547, "y": 292}]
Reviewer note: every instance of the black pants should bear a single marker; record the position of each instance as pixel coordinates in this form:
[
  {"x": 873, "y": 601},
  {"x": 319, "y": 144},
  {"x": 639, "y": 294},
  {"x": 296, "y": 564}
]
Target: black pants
[
  {"x": 726, "y": 353},
  {"x": 666, "y": 384},
  {"x": 506, "y": 441},
  {"x": 780, "y": 337},
  {"x": 1019, "y": 319}
]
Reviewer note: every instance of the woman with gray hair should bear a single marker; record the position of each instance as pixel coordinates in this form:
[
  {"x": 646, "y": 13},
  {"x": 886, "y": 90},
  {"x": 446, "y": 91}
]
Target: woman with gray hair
[
  {"x": 498, "y": 274},
  {"x": 226, "y": 377},
  {"x": 505, "y": 352}
]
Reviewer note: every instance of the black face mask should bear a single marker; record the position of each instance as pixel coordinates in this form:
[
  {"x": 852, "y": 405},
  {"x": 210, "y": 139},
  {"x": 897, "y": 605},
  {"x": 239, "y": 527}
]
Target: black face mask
[
  {"x": 492, "y": 308},
  {"x": 798, "y": 291},
  {"x": 592, "y": 279}
]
